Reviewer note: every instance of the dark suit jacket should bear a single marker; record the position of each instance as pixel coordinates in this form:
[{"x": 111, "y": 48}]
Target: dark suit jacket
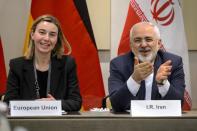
[
  {"x": 64, "y": 83},
  {"x": 121, "y": 69}
]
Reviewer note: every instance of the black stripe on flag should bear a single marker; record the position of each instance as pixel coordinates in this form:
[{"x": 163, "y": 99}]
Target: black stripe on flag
[{"x": 84, "y": 14}]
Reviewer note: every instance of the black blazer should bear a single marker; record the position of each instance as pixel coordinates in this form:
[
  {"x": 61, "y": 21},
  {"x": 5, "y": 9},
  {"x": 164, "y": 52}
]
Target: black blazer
[
  {"x": 121, "y": 69},
  {"x": 63, "y": 86}
]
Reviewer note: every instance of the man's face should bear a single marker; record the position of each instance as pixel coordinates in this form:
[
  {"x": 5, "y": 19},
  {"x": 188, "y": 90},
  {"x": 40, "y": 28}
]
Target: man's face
[{"x": 145, "y": 42}]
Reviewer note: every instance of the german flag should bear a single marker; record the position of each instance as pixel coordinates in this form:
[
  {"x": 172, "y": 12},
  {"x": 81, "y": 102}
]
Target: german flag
[{"x": 74, "y": 18}]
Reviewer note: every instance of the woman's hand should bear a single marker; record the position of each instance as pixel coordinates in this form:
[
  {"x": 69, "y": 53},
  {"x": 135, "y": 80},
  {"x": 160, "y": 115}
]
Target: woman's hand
[{"x": 48, "y": 98}]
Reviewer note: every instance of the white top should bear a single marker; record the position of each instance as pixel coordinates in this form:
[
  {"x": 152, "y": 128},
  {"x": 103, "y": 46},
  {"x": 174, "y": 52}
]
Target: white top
[{"x": 134, "y": 87}]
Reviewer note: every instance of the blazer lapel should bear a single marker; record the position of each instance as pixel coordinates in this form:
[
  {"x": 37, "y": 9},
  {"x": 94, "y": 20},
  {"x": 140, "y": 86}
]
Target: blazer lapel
[
  {"x": 56, "y": 69},
  {"x": 158, "y": 62},
  {"x": 129, "y": 66},
  {"x": 29, "y": 76}
]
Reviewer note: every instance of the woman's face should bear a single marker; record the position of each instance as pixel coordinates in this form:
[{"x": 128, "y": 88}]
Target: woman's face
[{"x": 45, "y": 37}]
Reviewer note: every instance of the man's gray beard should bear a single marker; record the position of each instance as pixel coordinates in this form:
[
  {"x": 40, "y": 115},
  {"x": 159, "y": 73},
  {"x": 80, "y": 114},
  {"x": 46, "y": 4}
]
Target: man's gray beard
[{"x": 149, "y": 58}]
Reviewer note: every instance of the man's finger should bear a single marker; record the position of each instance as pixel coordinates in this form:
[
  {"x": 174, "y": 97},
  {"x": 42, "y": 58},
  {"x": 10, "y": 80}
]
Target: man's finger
[
  {"x": 168, "y": 62},
  {"x": 136, "y": 61}
]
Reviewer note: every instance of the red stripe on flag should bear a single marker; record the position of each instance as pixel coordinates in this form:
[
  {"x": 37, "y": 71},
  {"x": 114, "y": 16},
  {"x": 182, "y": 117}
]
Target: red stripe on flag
[
  {"x": 132, "y": 18},
  {"x": 83, "y": 49},
  {"x": 187, "y": 101},
  {"x": 2, "y": 71}
]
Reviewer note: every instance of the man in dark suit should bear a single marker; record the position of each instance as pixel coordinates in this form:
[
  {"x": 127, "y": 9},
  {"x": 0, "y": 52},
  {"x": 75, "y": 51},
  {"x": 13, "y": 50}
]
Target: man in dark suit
[{"x": 147, "y": 72}]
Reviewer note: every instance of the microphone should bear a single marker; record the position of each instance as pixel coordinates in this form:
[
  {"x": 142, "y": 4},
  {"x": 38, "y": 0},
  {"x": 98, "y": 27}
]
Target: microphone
[
  {"x": 4, "y": 124},
  {"x": 20, "y": 128},
  {"x": 3, "y": 108},
  {"x": 104, "y": 105}
]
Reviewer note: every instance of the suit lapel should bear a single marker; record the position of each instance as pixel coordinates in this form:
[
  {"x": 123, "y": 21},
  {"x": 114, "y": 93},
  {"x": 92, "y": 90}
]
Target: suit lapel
[
  {"x": 29, "y": 76},
  {"x": 158, "y": 62},
  {"x": 130, "y": 65},
  {"x": 56, "y": 69}
]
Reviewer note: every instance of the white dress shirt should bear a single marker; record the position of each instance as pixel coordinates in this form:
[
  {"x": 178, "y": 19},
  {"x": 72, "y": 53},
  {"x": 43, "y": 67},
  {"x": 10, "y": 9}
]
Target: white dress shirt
[{"x": 134, "y": 87}]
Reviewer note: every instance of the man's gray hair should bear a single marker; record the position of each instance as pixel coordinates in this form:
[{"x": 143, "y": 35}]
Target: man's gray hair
[{"x": 156, "y": 29}]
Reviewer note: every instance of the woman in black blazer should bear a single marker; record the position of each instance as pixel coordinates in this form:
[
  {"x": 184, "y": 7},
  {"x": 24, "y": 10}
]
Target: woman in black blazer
[{"x": 44, "y": 72}]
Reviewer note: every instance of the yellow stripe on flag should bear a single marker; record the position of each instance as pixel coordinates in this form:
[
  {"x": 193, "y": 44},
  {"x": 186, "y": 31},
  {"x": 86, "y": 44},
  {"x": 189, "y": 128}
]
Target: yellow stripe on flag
[{"x": 30, "y": 22}]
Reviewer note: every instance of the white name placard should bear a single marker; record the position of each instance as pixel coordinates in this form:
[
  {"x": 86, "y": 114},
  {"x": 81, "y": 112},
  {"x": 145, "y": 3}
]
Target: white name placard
[
  {"x": 155, "y": 108},
  {"x": 35, "y": 108}
]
